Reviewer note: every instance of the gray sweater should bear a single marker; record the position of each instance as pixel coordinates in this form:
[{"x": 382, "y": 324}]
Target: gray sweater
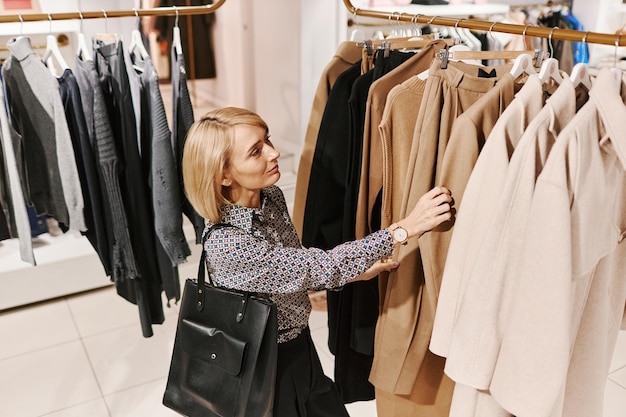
[
  {"x": 123, "y": 264},
  {"x": 38, "y": 115}
]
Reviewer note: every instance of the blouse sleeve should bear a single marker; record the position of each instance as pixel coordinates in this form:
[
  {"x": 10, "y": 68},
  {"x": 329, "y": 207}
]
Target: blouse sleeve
[{"x": 241, "y": 261}]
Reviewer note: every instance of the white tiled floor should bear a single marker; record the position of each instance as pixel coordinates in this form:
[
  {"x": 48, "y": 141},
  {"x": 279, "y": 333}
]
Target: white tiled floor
[{"x": 84, "y": 355}]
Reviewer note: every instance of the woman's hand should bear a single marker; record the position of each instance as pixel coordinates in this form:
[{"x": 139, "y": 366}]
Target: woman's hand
[
  {"x": 432, "y": 209},
  {"x": 385, "y": 264}
]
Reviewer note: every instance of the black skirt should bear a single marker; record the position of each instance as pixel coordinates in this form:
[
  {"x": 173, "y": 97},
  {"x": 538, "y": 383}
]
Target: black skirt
[{"x": 302, "y": 388}]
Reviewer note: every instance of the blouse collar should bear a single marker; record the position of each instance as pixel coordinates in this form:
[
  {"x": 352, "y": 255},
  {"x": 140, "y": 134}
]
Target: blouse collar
[{"x": 240, "y": 216}]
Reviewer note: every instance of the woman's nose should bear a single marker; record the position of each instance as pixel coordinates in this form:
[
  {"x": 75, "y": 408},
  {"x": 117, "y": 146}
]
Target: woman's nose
[{"x": 273, "y": 153}]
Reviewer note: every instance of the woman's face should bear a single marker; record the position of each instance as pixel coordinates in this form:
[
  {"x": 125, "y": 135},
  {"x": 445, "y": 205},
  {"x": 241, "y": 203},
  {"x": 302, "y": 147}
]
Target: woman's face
[{"x": 253, "y": 164}]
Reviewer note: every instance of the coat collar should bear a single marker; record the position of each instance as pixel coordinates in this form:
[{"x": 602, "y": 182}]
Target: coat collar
[{"x": 606, "y": 95}]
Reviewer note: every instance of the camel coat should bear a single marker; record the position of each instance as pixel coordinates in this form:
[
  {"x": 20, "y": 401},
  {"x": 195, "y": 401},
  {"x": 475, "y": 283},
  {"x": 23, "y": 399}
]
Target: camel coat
[
  {"x": 371, "y": 180},
  {"x": 405, "y": 324}
]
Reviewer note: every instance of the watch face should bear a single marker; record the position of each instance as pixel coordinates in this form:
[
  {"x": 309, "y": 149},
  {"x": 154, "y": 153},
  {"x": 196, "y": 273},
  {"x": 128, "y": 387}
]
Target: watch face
[{"x": 399, "y": 234}]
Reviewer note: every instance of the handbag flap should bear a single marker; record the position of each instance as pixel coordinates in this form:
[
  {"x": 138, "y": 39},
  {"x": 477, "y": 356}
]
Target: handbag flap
[{"x": 213, "y": 346}]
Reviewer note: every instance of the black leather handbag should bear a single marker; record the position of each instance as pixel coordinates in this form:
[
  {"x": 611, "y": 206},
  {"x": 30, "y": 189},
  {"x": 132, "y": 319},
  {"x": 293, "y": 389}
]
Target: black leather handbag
[{"x": 224, "y": 358}]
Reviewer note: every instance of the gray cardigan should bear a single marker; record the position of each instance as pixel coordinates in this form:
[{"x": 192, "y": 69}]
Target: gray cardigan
[{"x": 38, "y": 115}]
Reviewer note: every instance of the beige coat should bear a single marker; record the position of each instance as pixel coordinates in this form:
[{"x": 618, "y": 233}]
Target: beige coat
[
  {"x": 405, "y": 325},
  {"x": 480, "y": 324},
  {"x": 347, "y": 54},
  {"x": 396, "y": 133},
  {"x": 566, "y": 312},
  {"x": 482, "y": 302},
  {"x": 480, "y": 199},
  {"x": 371, "y": 180}
]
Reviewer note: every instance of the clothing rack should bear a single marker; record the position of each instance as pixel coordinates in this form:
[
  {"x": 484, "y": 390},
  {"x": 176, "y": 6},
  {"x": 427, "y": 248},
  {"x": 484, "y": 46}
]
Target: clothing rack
[
  {"x": 476, "y": 24},
  {"x": 103, "y": 14}
]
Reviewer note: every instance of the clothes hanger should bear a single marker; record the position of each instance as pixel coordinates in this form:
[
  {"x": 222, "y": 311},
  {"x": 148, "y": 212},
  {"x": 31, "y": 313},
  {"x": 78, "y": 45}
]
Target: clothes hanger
[
  {"x": 550, "y": 67},
  {"x": 417, "y": 31},
  {"x": 52, "y": 50},
  {"x": 106, "y": 37},
  {"x": 136, "y": 48},
  {"x": 523, "y": 64},
  {"x": 83, "y": 51},
  {"x": 580, "y": 75},
  {"x": 454, "y": 33},
  {"x": 408, "y": 43},
  {"x": 580, "y": 72},
  {"x": 617, "y": 73},
  {"x": 468, "y": 37},
  {"x": 357, "y": 34},
  {"x": 464, "y": 53},
  {"x": 550, "y": 70},
  {"x": 176, "y": 43}
]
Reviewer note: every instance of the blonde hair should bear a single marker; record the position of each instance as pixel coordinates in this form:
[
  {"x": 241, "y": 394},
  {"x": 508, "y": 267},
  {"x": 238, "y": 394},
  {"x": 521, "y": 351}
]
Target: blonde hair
[{"x": 206, "y": 155}]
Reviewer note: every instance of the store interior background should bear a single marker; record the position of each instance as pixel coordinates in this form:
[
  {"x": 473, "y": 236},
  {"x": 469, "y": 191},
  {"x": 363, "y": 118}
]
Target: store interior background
[{"x": 69, "y": 346}]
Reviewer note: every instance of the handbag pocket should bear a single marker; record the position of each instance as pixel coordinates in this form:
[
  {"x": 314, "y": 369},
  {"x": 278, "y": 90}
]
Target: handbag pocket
[
  {"x": 212, "y": 367},
  {"x": 213, "y": 346}
]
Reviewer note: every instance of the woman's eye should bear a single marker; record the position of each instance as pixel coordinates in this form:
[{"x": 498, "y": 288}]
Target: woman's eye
[{"x": 255, "y": 152}]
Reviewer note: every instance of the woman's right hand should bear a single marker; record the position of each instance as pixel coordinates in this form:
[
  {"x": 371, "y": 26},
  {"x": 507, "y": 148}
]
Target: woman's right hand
[{"x": 432, "y": 209}]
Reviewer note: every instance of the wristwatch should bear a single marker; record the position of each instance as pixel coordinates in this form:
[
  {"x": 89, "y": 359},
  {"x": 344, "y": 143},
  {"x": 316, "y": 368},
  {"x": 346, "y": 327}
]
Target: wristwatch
[{"x": 399, "y": 234}]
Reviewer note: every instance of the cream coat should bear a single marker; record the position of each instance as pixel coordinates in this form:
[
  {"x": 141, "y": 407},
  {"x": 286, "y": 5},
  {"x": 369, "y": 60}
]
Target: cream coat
[
  {"x": 569, "y": 304},
  {"x": 484, "y": 307}
]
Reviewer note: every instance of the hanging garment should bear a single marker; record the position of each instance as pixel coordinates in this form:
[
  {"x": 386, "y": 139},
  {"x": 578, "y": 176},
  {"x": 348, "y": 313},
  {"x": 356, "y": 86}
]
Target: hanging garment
[
  {"x": 468, "y": 136},
  {"x": 37, "y": 115},
  {"x": 353, "y": 311},
  {"x": 346, "y": 55},
  {"x": 86, "y": 164},
  {"x": 573, "y": 244},
  {"x": 477, "y": 333},
  {"x": 369, "y": 199},
  {"x": 470, "y": 344},
  {"x": 405, "y": 323},
  {"x": 323, "y": 225},
  {"x": 15, "y": 186},
  {"x": 581, "y": 49},
  {"x": 159, "y": 167},
  {"x": 481, "y": 196},
  {"x": 100, "y": 133},
  {"x": 196, "y": 35},
  {"x": 182, "y": 119},
  {"x": 396, "y": 132},
  {"x": 5, "y": 233},
  {"x": 145, "y": 291}
]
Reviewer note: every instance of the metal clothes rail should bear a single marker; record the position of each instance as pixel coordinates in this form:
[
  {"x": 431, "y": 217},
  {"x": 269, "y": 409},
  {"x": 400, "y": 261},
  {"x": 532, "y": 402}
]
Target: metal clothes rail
[
  {"x": 476, "y": 24},
  {"x": 104, "y": 14}
]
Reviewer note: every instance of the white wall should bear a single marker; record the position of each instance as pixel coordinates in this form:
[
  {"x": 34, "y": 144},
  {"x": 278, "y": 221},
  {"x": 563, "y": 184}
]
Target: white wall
[{"x": 601, "y": 16}]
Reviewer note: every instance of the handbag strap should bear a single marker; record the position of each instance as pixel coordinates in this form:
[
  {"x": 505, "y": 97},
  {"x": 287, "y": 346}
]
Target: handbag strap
[
  {"x": 202, "y": 266},
  {"x": 202, "y": 269}
]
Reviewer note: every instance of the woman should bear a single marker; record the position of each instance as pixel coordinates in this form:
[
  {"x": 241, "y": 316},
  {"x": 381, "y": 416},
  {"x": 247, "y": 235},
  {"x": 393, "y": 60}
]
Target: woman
[{"x": 230, "y": 169}]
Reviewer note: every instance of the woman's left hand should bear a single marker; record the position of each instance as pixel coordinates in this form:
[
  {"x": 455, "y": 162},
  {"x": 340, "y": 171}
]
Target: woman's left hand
[{"x": 385, "y": 264}]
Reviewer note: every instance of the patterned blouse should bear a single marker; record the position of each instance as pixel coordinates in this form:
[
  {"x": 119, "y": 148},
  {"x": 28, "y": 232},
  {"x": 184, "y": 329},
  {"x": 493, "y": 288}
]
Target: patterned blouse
[{"x": 263, "y": 254}]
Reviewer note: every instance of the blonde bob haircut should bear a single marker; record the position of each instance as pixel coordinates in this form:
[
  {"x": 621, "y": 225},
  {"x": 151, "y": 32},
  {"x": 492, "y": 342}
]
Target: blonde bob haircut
[{"x": 206, "y": 155}]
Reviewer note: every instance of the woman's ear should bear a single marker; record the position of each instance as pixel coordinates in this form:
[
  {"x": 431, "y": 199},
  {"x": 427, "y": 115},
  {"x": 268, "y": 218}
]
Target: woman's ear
[{"x": 226, "y": 182}]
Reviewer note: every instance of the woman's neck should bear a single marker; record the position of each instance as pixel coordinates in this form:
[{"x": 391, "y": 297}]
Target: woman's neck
[{"x": 246, "y": 198}]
